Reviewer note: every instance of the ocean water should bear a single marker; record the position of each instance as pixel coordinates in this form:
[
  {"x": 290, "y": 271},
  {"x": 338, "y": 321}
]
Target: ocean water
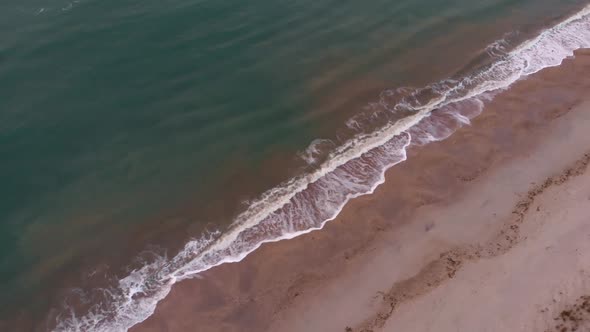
[{"x": 143, "y": 142}]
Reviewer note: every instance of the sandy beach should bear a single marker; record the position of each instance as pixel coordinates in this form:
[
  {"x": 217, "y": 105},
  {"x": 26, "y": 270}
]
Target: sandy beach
[{"x": 488, "y": 230}]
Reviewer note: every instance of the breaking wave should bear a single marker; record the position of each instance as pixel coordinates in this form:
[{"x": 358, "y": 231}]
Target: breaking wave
[{"x": 349, "y": 169}]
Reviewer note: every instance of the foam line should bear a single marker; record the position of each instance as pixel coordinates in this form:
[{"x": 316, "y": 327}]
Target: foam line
[{"x": 354, "y": 168}]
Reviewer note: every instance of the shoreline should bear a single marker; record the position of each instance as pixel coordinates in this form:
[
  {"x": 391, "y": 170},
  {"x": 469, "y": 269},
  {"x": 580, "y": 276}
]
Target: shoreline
[
  {"x": 411, "y": 195},
  {"x": 263, "y": 281},
  {"x": 455, "y": 104},
  {"x": 239, "y": 297}
]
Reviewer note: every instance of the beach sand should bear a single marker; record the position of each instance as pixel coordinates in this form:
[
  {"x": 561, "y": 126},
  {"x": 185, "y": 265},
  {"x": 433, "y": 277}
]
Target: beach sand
[{"x": 488, "y": 230}]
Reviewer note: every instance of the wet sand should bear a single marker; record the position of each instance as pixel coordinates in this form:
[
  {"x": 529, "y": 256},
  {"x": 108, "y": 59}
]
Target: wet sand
[{"x": 484, "y": 231}]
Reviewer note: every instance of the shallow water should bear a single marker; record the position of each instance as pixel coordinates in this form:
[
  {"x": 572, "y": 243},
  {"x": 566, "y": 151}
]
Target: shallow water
[{"x": 129, "y": 124}]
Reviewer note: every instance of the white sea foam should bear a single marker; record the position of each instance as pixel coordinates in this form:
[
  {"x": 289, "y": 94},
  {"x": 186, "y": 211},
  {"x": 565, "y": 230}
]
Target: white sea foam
[
  {"x": 315, "y": 150},
  {"x": 354, "y": 168},
  {"x": 501, "y": 46}
]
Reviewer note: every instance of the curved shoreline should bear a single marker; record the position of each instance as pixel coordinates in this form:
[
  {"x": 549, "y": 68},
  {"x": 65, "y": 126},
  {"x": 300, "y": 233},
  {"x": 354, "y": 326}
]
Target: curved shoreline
[{"x": 138, "y": 294}]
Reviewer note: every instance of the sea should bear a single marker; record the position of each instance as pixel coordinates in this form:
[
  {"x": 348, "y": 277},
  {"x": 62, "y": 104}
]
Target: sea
[{"x": 143, "y": 142}]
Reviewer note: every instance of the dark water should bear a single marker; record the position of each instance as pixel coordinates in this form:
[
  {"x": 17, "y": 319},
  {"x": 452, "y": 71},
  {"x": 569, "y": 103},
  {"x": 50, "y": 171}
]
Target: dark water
[{"x": 126, "y": 124}]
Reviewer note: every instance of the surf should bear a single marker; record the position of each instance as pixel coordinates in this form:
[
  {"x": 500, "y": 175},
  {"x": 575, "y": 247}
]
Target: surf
[{"x": 351, "y": 169}]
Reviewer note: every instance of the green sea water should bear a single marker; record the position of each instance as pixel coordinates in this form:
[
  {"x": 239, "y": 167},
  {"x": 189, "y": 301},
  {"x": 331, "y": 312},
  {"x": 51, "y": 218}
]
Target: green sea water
[{"x": 128, "y": 123}]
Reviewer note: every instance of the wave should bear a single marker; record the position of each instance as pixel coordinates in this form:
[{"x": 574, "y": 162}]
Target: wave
[{"x": 352, "y": 169}]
